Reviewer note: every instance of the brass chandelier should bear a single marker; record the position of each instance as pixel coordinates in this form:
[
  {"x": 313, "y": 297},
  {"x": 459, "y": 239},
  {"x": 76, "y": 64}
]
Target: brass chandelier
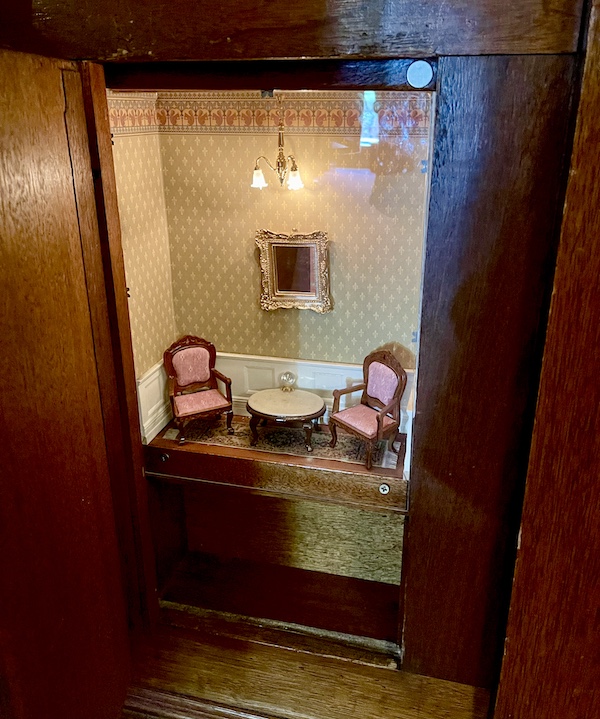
[{"x": 281, "y": 169}]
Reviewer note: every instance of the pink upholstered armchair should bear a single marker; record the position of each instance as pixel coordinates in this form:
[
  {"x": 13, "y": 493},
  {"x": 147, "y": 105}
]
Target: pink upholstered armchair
[
  {"x": 377, "y": 416},
  {"x": 193, "y": 390}
]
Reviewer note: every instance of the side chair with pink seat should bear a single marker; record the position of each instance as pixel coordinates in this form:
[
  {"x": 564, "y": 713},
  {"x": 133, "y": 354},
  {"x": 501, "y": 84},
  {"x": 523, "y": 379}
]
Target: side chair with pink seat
[
  {"x": 193, "y": 388},
  {"x": 377, "y": 416}
]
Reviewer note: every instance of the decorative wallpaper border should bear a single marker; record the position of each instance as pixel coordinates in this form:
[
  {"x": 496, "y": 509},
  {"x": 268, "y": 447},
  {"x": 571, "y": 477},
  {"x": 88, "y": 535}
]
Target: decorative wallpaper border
[
  {"x": 399, "y": 113},
  {"x": 132, "y": 112}
]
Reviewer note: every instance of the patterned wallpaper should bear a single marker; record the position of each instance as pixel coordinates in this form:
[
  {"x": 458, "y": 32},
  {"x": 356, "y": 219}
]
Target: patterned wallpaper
[
  {"x": 370, "y": 201},
  {"x": 145, "y": 247}
]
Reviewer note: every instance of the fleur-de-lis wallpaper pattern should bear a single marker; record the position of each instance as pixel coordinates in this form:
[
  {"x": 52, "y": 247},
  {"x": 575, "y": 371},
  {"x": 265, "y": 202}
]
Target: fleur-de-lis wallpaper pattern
[
  {"x": 184, "y": 163},
  {"x": 145, "y": 247}
]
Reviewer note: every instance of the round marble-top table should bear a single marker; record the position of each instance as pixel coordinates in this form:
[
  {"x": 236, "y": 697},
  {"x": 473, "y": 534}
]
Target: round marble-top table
[{"x": 276, "y": 405}]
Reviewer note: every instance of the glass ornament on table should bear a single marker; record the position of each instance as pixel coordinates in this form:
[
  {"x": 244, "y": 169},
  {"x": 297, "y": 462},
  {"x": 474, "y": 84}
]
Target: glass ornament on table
[{"x": 287, "y": 381}]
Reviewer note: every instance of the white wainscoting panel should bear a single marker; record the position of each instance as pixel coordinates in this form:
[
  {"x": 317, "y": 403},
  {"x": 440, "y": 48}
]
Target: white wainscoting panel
[
  {"x": 153, "y": 402},
  {"x": 251, "y": 373},
  {"x": 256, "y": 376}
]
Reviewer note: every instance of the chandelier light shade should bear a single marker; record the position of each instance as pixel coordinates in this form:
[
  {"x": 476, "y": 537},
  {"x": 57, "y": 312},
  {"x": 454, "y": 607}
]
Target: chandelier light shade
[
  {"x": 295, "y": 181},
  {"x": 258, "y": 179},
  {"x": 284, "y": 166}
]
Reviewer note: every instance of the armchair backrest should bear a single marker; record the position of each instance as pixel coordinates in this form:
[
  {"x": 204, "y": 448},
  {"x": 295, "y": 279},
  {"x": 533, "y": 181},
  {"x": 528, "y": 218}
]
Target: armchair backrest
[
  {"x": 191, "y": 364},
  {"x": 190, "y": 361},
  {"x": 385, "y": 381}
]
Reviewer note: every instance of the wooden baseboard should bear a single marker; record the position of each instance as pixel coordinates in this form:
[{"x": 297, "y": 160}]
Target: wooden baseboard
[{"x": 292, "y": 637}]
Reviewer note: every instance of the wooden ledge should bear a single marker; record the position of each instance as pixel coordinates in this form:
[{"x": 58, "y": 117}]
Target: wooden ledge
[{"x": 279, "y": 475}]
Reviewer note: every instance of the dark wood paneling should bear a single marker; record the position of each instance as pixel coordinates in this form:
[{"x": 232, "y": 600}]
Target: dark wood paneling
[
  {"x": 263, "y": 75},
  {"x": 308, "y": 535},
  {"x": 115, "y": 357},
  {"x": 110, "y": 30},
  {"x": 298, "y": 596},
  {"x": 63, "y": 639},
  {"x": 166, "y": 506},
  {"x": 86, "y": 208},
  {"x": 551, "y": 664},
  {"x": 502, "y": 126},
  {"x": 267, "y": 680}
]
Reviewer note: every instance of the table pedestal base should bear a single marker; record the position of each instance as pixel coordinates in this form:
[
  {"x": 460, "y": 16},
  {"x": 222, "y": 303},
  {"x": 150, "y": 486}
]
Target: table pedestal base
[
  {"x": 307, "y": 426},
  {"x": 297, "y": 408}
]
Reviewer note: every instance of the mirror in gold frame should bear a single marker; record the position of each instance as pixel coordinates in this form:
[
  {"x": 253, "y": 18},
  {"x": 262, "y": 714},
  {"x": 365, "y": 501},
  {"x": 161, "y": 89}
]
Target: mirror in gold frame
[{"x": 294, "y": 271}]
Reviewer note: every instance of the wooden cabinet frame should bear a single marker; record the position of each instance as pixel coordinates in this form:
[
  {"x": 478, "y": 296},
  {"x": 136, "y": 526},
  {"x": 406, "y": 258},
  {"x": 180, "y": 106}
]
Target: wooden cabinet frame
[
  {"x": 489, "y": 260},
  {"x": 469, "y": 475}
]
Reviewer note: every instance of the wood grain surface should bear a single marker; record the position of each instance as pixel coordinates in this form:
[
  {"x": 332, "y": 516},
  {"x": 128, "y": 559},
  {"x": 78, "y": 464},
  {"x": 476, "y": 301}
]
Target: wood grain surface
[
  {"x": 115, "y": 357},
  {"x": 264, "y": 74},
  {"x": 63, "y": 638},
  {"x": 298, "y": 596},
  {"x": 307, "y": 640},
  {"x": 256, "y": 542},
  {"x": 295, "y": 533},
  {"x": 264, "y": 680},
  {"x": 98, "y": 303},
  {"x": 113, "y": 31},
  {"x": 551, "y": 665},
  {"x": 278, "y": 475},
  {"x": 495, "y": 198},
  {"x": 166, "y": 506}
]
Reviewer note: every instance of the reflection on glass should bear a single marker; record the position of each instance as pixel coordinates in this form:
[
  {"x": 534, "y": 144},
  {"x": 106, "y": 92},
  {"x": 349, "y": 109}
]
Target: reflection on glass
[
  {"x": 364, "y": 164},
  {"x": 369, "y": 133}
]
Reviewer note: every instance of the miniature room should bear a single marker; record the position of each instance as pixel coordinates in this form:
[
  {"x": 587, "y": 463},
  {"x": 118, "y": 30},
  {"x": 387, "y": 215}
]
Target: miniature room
[{"x": 218, "y": 192}]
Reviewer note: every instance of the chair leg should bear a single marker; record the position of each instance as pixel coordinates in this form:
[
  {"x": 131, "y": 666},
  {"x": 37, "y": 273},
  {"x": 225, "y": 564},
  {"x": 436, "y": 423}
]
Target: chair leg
[
  {"x": 333, "y": 430},
  {"x": 401, "y": 438},
  {"x": 229, "y": 421},
  {"x": 182, "y": 425},
  {"x": 369, "y": 457}
]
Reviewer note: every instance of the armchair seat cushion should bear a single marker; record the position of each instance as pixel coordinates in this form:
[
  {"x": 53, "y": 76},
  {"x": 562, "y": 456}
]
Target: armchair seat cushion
[
  {"x": 363, "y": 419},
  {"x": 205, "y": 401}
]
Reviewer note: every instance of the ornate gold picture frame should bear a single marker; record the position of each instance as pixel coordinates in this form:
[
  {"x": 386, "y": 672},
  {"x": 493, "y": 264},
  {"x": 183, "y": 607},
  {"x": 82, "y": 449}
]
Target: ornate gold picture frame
[{"x": 294, "y": 271}]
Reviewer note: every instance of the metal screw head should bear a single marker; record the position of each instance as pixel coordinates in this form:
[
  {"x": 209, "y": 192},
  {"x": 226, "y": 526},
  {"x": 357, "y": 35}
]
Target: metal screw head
[{"x": 384, "y": 488}]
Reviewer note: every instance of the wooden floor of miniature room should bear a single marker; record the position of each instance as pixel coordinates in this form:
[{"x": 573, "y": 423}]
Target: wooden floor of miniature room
[
  {"x": 168, "y": 438},
  {"x": 306, "y": 549}
]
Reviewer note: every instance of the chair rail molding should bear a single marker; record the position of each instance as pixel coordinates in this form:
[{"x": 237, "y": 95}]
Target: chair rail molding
[{"x": 252, "y": 373}]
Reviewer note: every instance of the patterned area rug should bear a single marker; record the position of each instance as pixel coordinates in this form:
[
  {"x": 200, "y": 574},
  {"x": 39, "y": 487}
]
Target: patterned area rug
[{"x": 285, "y": 440}]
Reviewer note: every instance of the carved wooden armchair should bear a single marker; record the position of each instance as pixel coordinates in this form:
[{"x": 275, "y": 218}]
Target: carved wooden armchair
[
  {"x": 377, "y": 416},
  {"x": 193, "y": 390}
]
